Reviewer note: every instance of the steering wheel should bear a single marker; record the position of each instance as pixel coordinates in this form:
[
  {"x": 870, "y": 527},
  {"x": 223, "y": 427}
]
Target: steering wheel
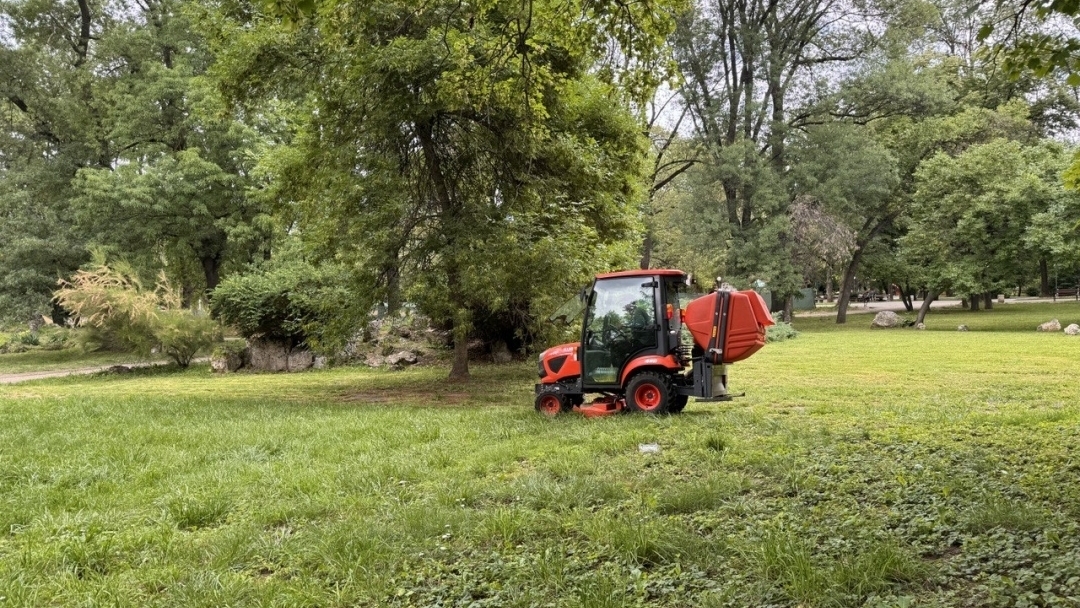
[{"x": 613, "y": 334}]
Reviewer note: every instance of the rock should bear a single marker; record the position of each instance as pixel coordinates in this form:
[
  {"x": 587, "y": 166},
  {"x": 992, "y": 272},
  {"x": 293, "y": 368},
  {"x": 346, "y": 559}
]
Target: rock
[
  {"x": 118, "y": 369},
  {"x": 35, "y": 323},
  {"x": 373, "y": 360},
  {"x": 299, "y": 359},
  {"x": 405, "y": 357},
  {"x": 320, "y": 362},
  {"x": 885, "y": 319},
  {"x": 1072, "y": 330},
  {"x": 1001, "y": 298},
  {"x": 962, "y": 328},
  {"x": 268, "y": 356},
  {"x": 920, "y": 326},
  {"x": 1051, "y": 325},
  {"x": 226, "y": 362},
  {"x": 229, "y": 356},
  {"x": 500, "y": 353}
]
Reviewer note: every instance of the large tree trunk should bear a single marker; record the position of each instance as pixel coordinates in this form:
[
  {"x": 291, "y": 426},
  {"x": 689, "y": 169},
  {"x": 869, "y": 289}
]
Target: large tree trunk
[
  {"x": 452, "y": 225},
  {"x": 905, "y": 295},
  {"x": 1044, "y": 279},
  {"x": 973, "y": 301},
  {"x": 988, "y": 301},
  {"x": 847, "y": 286},
  {"x": 646, "y": 250},
  {"x": 459, "y": 370},
  {"x": 789, "y": 309},
  {"x": 829, "y": 295},
  {"x": 931, "y": 295},
  {"x": 211, "y": 270}
]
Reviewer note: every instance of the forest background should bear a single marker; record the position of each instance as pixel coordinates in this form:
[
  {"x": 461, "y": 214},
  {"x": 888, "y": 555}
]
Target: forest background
[{"x": 480, "y": 161}]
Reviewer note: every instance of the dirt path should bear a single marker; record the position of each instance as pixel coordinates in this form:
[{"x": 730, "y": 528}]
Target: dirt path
[
  {"x": 80, "y": 371},
  {"x": 60, "y": 373}
]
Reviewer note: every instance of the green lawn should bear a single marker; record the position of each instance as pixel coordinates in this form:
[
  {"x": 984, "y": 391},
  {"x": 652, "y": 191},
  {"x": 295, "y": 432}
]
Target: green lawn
[{"x": 880, "y": 468}]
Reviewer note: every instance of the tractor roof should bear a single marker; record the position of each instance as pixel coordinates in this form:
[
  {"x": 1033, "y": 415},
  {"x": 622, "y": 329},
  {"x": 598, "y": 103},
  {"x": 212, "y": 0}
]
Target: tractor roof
[{"x": 651, "y": 272}]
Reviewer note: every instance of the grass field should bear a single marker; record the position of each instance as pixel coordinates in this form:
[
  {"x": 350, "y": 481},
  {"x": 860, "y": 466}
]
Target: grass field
[{"x": 877, "y": 468}]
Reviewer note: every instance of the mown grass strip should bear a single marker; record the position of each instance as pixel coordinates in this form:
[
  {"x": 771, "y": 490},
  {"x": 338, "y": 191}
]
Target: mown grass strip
[{"x": 863, "y": 468}]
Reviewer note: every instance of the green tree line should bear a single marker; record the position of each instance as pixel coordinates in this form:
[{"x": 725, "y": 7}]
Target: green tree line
[{"x": 480, "y": 161}]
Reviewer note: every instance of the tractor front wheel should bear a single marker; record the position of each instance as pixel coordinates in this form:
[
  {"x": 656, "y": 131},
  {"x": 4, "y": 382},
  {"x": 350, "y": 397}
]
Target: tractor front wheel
[
  {"x": 650, "y": 392},
  {"x": 552, "y": 404}
]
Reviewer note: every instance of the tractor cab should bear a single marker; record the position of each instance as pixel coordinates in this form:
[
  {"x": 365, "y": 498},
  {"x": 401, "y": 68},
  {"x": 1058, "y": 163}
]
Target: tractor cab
[
  {"x": 635, "y": 350},
  {"x": 628, "y": 316}
]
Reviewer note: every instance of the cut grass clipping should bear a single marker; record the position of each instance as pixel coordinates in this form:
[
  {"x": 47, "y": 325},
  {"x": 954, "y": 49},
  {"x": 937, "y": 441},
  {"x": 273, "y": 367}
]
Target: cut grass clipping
[{"x": 885, "y": 468}]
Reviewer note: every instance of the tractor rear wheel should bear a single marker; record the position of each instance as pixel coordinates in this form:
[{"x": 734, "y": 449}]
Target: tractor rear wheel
[
  {"x": 552, "y": 404},
  {"x": 650, "y": 392}
]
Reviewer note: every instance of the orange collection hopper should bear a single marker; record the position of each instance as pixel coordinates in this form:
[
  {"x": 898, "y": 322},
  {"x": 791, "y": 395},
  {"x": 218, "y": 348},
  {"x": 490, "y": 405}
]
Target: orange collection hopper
[{"x": 737, "y": 334}]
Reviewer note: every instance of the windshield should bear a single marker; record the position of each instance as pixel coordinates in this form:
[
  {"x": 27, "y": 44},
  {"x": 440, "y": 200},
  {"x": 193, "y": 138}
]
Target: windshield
[{"x": 571, "y": 310}]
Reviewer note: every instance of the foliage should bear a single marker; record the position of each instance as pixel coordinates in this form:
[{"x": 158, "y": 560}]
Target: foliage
[
  {"x": 451, "y": 154},
  {"x": 182, "y": 333},
  {"x": 933, "y": 468},
  {"x": 780, "y": 332},
  {"x": 112, "y": 137},
  {"x": 292, "y": 301},
  {"x": 115, "y": 311},
  {"x": 971, "y": 214}
]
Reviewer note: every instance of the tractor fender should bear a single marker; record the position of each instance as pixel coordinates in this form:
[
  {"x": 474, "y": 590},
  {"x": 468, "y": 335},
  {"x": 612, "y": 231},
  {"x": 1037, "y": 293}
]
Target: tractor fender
[{"x": 667, "y": 363}]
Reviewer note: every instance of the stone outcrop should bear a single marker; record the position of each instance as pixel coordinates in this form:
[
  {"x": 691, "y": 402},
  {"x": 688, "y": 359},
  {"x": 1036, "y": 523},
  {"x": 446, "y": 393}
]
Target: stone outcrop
[
  {"x": 402, "y": 358},
  {"x": 1051, "y": 325},
  {"x": 1072, "y": 330},
  {"x": 271, "y": 356},
  {"x": 226, "y": 361},
  {"x": 885, "y": 319}
]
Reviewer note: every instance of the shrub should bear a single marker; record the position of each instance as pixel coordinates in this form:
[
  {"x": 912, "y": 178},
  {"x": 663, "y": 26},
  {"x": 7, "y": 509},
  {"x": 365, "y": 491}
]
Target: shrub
[
  {"x": 291, "y": 302},
  {"x": 118, "y": 313},
  {"x": 182, "y": 333},
  {"x": 28, "y": 338},
  {"x": 780, "y": 332}
]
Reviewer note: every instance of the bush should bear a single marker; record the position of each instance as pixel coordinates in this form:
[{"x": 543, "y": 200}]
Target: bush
[
  {"x": 292, "y": 302},
  {"x": 780, "y": 332},
  {"x": 28, "y": 338},
  {"x": 182, "y": 333},
  {"x": 55, "y": 338},
  {"x": 118, "y": 313}
]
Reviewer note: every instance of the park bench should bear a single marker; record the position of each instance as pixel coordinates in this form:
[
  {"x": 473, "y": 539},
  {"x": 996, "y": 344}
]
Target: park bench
[{"x": 1065, "y": 292}]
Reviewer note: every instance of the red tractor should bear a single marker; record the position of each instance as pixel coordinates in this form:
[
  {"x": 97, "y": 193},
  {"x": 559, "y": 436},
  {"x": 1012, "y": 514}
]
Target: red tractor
[{"x": 632, "y": 351}]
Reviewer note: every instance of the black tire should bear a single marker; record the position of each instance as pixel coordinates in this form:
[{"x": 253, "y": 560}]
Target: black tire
[
  {"x": 551, "y": 404},
  {"x": 679, "y": 403},
  {"x": 651, "y": 393}
]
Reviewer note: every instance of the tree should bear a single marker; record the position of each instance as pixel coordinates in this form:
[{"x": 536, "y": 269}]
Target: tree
[
  {"x": 743, "y": 62},
  {"x": 115, "y": 142},
  {"x": 855, "y": 179},
  {"x": 971, "y": 213},
  {"x": 456, "y": 147}
]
